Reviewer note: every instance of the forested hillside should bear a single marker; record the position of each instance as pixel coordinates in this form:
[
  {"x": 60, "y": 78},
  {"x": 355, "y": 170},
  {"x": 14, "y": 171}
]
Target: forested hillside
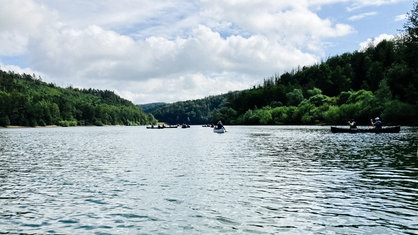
[
  {"x": 189, "y": 112},
  {"x": 379, "y": 81},
  {"x": 25, "y": 100}
]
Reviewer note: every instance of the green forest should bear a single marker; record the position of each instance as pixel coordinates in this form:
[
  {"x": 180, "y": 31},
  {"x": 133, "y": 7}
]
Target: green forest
[
  {"x": 25, "y": 100},
  {"x": 381, "y": 81}
]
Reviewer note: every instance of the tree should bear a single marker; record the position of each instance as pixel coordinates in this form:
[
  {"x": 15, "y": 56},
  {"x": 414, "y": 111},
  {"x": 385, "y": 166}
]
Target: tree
[
  {"x": 294, "y": 97},
  {"x": 397, "y": 112},
  {"x": 411, "y": 38},
  {"x": 411, "y": 26}
]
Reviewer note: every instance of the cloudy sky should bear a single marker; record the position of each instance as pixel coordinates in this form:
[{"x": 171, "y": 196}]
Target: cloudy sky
[{"x": 166, "y": 51}]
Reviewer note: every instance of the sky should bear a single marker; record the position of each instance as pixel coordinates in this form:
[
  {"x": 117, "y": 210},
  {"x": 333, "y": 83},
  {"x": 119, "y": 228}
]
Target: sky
[{"x": 166, "y": 51}]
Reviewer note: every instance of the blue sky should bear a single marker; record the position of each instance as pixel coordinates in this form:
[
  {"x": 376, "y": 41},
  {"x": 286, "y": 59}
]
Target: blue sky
[{"x": 167, "y": 51}]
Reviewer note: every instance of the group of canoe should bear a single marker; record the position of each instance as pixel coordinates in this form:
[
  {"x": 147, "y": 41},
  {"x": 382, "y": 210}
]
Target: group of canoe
[
  {"x": 377, "y": 127},
  {"x": 218, "y": 128},
  {"x": 163, "y": 126}
]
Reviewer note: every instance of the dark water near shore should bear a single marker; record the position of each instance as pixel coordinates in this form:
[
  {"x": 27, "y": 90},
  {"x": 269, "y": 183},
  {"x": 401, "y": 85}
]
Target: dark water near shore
[{"x": 250, "y": 180}]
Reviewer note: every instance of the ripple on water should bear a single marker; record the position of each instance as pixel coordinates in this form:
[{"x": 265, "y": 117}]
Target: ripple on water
[{"x": 271, "y": 180}]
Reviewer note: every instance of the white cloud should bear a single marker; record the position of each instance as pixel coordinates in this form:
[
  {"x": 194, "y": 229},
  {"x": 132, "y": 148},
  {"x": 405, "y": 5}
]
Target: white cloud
[
  {"x": 362, "y": 16},
  {"x": 371, "y": 42},
  {"x": 17, "y": 69},
  {"x": 401, "y": 17},
  {"x": 289, "y": 21},
  {"x": 19, "y": 24},
  {"x": 357, "y": 4},
  {"x": 185, "y": 87}
]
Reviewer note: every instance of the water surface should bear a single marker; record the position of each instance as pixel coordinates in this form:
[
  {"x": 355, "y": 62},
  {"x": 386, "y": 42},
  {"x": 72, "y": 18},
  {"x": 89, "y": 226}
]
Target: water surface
[{"x": 250, "y": 180}]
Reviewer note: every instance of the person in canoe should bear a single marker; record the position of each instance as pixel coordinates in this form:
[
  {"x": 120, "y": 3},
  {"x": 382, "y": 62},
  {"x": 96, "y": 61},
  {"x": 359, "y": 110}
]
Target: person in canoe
[
  {"x": 219, "y": 125},
  {"x": 377, "y": 123},
  {"x": 219, "y": 128},
  {"x": 352, "y": 124}
]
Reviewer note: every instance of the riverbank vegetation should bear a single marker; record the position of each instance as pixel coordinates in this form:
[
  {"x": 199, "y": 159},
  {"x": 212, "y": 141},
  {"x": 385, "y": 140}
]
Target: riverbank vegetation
[
  {"x": 25, "y": 100},
  {"x": 381, "y": 80}
]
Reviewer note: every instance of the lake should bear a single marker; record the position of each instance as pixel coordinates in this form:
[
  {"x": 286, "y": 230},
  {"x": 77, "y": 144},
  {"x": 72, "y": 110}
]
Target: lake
[{"x": 250, "y": 180}]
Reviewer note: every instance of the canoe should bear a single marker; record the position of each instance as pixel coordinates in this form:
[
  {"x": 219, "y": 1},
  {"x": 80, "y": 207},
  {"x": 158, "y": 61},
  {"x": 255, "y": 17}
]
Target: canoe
[
  {"x": 219, "y": 130},
  {"x": 155, "y": 127},
  {"x": 389, "y": 129},
  {"x": 162, "y": 127},
  {"x": 171, "y": 126}
]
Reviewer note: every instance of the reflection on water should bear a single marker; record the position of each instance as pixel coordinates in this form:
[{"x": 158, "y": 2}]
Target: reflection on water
[{"x": 286, "y": 179}]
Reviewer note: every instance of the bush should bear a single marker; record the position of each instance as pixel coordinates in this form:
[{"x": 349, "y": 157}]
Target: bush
[
  {"x": 4, "y": 121},
  {"x": 398, "y": 112},
  {"x": 67, "y": 123},
  {"x": 332, "y": 115}
]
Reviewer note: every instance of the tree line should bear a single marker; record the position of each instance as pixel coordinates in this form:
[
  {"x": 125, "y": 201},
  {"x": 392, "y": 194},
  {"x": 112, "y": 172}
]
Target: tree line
[
  {"x": 381, "y": 80},
  {"x": 25, "y": 100}
]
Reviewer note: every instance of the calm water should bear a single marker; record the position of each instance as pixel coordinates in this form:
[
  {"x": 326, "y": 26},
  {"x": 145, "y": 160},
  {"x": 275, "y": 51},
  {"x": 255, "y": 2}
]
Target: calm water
[{"x": 250, "y": 180}]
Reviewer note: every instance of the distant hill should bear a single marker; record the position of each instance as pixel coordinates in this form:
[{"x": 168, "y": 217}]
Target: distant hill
[
  {"x": 189, "y": 112},
  {"x": 151, "y": 107},
  {"x": 25, "y": 100}
]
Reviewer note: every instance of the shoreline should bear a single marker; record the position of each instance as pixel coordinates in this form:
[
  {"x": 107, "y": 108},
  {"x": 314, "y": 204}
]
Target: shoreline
[
  {"x": 13, "y": 126},
  {"x": 52, "y": 126}
]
